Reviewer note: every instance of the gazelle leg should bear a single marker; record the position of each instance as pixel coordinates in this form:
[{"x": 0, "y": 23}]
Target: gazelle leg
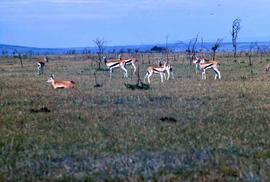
[
  {"x": 150, "y": 74},
  {"x": 161, "y": 76},
  {"x": 146, "y": 75},
  {"x": 125, "y": 71},
  {"x": 168, "y": 72},
  {"x": 203, "y": 75},
  {"x": 164, "y": 75},
  {"x": 134, "y": 67},
  {"x": 172, "y": 74},
  {"x": 217, "y": 75},
  {"x": 197, "y": 68},
  {"x": 110, "y": 73}
]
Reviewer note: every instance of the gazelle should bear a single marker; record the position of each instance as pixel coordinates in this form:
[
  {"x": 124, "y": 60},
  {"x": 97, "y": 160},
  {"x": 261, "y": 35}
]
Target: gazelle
[
  {"x": 60, "y": 83},
  {"x": 197, "y": 62},
  {"x": 267, "y": 68},
  {"x": 158, "y": 70},
  {"x": 203, "y": 66},
  {"x": 171, "y": 70},
  {"x": 40, "y": 67},
  {"x": 115, "y": 64},
  {"x": 131, "y": 61}
]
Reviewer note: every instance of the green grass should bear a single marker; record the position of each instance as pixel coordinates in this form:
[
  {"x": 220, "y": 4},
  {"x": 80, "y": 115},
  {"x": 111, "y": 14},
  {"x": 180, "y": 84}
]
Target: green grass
[{"x": 112, "y": 133}]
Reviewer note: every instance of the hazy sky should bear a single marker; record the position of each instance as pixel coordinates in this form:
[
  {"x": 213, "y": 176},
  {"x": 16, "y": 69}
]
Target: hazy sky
[{"x": 75, "y": 23}]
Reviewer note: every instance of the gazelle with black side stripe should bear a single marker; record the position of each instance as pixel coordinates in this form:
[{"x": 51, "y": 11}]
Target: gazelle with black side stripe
[
  {"x": 158, "y": 70},
  {"x": 116, "y": 64},
  {"x": 197, "y": 62},
  {"x": 204, "y": 65}
]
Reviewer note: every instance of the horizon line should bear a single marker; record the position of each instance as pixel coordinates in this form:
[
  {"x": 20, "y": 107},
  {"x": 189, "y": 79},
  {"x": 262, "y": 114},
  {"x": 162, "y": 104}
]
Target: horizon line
[{"x": 126, "y": 45}]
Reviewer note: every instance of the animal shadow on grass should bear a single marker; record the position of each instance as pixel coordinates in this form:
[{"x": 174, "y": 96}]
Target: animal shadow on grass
[
  {"x": 168, "y": 119},
  {"x": 42, "y": 109},
  {"x": 140, "y": 86}
]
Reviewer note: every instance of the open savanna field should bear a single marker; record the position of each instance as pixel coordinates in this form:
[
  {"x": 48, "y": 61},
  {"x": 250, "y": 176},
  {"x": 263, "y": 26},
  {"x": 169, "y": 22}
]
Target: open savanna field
[{"x": 185, "y": 129}]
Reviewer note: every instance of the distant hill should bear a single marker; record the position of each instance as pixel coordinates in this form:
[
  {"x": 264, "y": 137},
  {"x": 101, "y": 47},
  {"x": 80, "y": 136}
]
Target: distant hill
[
  {"x": 14, "y": 49},
  {"x": 177, "y": 47}
]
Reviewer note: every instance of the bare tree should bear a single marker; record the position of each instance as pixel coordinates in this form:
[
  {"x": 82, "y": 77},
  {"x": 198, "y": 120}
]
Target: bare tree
[
  {"x": 16, "y": 54},
  {"x": 252, "y": 46},
  {"x": 192, "y": 51},
  {"x": 100, "y": 42},
  {"x": 201, "y": 49},
  {"x": 194, "y": 44},
  {"x": 261, "y": 50},
  {"x": 167, "y": 49},
  {"x": 215, "y": 47},
  {"x": 235, "y": 30}
]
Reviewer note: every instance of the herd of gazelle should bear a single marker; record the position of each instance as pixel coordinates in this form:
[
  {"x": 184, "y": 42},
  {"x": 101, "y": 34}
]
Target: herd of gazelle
[{"x": 201, "y": 65}]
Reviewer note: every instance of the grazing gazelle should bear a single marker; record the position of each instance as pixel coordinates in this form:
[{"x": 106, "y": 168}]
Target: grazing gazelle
[
  {"x": 159, "y": 70},
  {"x": 203, "y": 66},
  {"x": 115, "y": 64},
  {"x": 40, "y": 67},
  {"x": 60, "y": 83},
  {"x": 267, "y": 68},
  {"x": 131, "y": 61}
]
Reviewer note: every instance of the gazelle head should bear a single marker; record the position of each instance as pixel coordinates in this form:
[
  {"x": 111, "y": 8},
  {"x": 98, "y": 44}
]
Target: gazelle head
[
  {"x": 163, "y": 64},
  {"x": 195, "y": 59},
  {"x": 51, "y": 79}
]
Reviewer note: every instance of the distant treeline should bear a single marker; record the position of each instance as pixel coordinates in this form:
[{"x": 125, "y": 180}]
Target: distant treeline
[{"x": 11, "y": 50}]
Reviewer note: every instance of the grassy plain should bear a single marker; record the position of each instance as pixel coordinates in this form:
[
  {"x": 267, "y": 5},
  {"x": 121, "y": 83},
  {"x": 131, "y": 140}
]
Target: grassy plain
[{"x": 111, "y": 133}]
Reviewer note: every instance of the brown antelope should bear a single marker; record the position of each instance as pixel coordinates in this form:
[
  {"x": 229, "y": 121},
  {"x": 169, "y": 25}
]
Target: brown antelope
[
  {"x": 60, "y": 83},
  {"x": 115, "y": 64},
  {"x": 158, "y": 70},
  {"x": 203, "y": 66},
  {"x": 267, "y": 68}
]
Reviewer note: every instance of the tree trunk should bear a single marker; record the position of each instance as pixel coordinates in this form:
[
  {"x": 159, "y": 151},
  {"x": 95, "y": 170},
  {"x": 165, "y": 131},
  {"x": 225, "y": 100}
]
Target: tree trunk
[
  {"x": 214, "y": 55},
  {"x": 234, "y": 55},
  {"x": 20, "y": 57}
]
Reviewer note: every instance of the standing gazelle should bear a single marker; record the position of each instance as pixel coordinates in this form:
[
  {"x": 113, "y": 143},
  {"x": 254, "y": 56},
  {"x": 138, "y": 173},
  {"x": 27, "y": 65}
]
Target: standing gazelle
[
  {"x": 203, "y": 66},
  {"x": 60, "y": 83},
  {"x": 170, "y": 70},
  {"x": 40, "y": 67},
  {"x": 115, "y": 64},
  {"x": 197, "y": 62},
  {"x": 158, "y": 70}
]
